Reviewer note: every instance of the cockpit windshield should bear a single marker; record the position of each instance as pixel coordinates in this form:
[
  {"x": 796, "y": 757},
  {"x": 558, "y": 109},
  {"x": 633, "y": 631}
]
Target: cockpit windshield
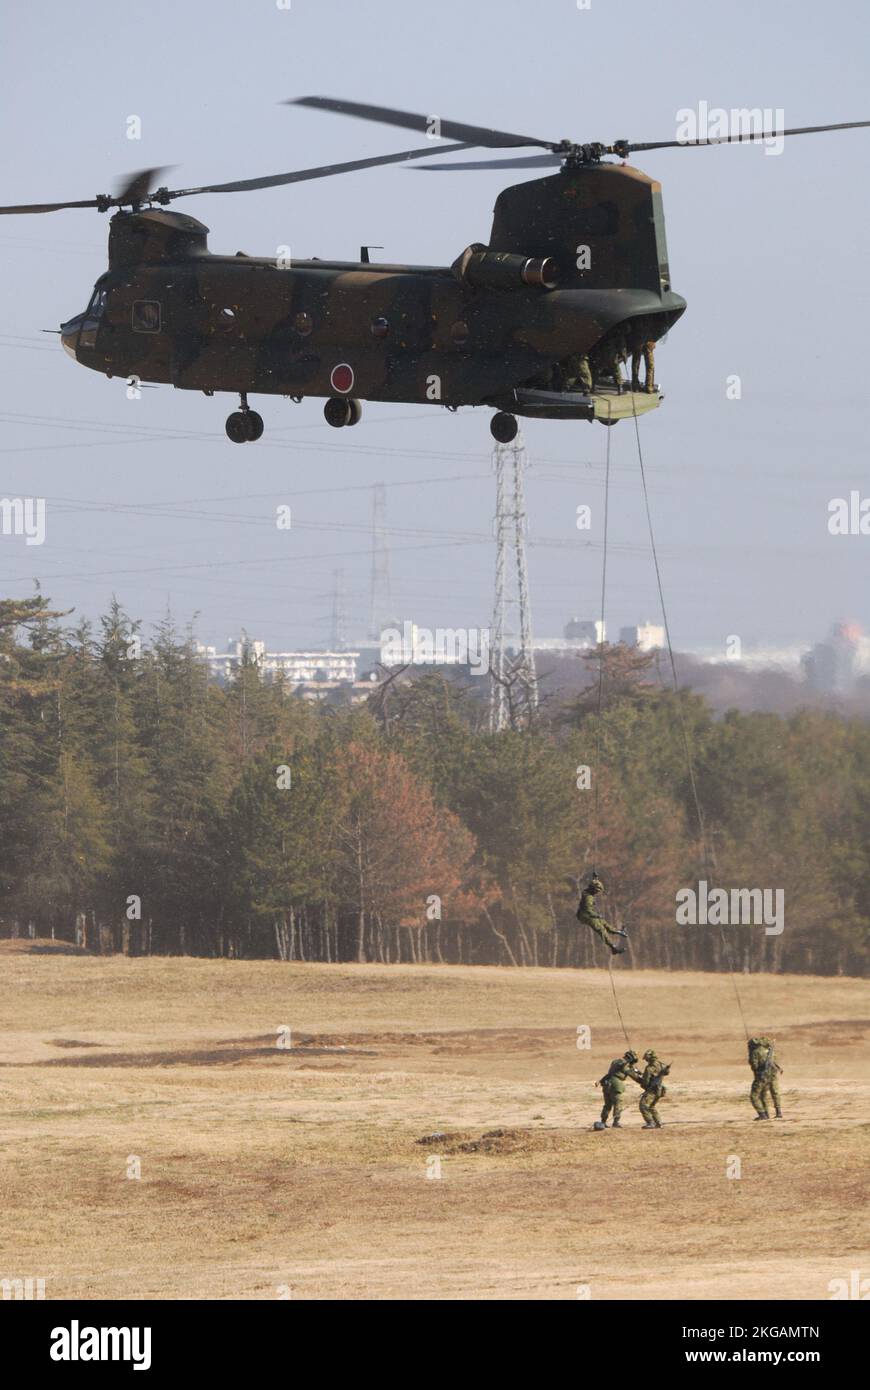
[{"x": 98, "y": 303}]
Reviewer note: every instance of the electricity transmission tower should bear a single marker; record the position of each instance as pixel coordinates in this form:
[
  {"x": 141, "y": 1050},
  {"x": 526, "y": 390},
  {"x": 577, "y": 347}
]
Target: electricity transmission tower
[
  {"x": 380, "y": 580},
  {"x": 513, "y": 681},
  {"x": 338, "y": 623}
]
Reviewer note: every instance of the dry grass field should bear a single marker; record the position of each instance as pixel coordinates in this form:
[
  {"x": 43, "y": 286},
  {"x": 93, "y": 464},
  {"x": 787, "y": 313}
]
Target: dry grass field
[{"x": 268, "y": 1172}]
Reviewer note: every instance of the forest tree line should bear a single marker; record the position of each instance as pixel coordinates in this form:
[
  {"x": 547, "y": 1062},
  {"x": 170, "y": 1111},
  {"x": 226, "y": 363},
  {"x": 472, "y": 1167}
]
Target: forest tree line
[{"x": 146, "y": 809}]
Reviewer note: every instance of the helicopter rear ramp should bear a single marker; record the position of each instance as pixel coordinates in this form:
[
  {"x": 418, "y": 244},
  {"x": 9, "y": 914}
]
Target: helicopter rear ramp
[{"x": 604, "y": 404}]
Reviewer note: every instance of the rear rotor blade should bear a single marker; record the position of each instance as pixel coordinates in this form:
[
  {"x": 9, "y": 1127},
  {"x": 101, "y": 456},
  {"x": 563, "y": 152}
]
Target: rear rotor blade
[
  {"x": 409, "y": 120},
  {"x": 748, "y": 139}
]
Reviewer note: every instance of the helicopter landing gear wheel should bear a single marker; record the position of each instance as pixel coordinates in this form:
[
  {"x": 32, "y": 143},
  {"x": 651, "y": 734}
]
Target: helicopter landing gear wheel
[
  {"x": 503, "y": 427},
  {"x": 355, "y": 412},
  {"x": 237, "y": 427},
  {"x": 338, "y": 412},
  {"x": 253, "y": 425}
]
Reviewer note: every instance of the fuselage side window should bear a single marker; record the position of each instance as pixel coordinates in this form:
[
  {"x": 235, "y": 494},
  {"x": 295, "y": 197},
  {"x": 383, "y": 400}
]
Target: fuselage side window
[{"x": 146, "y": 316}]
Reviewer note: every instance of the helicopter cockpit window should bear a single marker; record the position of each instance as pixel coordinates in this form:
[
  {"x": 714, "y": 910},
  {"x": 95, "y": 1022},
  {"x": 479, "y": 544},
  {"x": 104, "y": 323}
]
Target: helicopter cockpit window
[
  {"x": 98, "y": 303},
  {"x": 146, "y": 316}
]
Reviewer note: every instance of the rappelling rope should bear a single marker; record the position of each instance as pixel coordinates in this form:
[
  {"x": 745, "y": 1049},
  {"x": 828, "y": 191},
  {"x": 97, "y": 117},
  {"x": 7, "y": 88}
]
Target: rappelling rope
[
  {"x": 616, "y": 1000},
  {"x": 601, "y": 658},
  {"x": 706, "y": 849},
  {"x": 598, "y": 716}
]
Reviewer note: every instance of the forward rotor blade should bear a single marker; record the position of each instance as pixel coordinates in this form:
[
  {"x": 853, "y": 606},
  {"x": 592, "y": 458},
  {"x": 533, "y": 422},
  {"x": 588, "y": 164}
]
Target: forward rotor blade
[
  {"x": 527, "y": 161},
  {"x": 322, "y": 171},
  {"x": 409, "y": 120},
  {"x": 749, "y": 139},
  {"x": 49, "y": 207},
  {"x": 136, "y": 187}
]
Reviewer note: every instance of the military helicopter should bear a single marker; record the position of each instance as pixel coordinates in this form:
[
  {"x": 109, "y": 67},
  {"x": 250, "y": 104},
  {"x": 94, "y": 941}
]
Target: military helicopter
[{"x": 575, "y": 268}]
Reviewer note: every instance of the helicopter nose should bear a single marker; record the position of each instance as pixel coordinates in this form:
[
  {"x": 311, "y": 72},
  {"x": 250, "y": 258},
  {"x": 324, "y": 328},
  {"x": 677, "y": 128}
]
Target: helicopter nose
[{"x": 69, "y": 333}]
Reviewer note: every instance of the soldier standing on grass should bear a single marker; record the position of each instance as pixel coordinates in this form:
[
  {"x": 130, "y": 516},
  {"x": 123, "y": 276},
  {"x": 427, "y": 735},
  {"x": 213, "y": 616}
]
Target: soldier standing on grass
[
  {"x": 613, "y": 1087},
  {"x": 653, "y": 1083},
  {"x": 765, "y": 1070}
]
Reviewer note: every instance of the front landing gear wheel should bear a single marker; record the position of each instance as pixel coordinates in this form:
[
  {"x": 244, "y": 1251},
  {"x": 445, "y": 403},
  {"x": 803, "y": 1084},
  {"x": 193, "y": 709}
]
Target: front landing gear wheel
[
  {"x": 253, "y": 425},
  {"x": 503, "y": 427},
  {"x": 338, "y": 412},
  {"x": 237, "y": 427}
]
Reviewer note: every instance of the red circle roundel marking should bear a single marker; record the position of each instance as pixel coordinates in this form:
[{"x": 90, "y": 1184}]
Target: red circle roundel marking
[{"x": 342, "y": 377}]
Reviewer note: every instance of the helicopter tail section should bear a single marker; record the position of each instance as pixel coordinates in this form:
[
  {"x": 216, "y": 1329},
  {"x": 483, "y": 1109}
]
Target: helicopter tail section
[{"x": 603, "y": 224}]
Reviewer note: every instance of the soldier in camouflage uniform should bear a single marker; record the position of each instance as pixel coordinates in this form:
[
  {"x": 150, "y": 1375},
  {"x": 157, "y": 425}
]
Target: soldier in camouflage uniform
[
  {"x": 577, "y": 373},
  {"x": 613, "y": 1087},
  {"x": 590, "y": 917},
  {"x": 653, "y": 1083},
  {"x": 765, "y": 1070},
  {"x": 647, "y": 352},
  {"x": 607, "y": 360}
]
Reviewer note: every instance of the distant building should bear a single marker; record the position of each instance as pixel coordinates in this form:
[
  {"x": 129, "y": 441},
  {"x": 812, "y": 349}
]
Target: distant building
[
  {"x": 316, "y": 669},
  {"x": 647, "y": 637},
  {"x": 756, "y": 658},
  {"x": 580, "y": 630},
  {"x": 833, "y": 666}
]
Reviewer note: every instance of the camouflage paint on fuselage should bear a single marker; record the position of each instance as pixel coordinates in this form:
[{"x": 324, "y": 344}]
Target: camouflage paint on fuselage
[{"x": 168, "y": 310}]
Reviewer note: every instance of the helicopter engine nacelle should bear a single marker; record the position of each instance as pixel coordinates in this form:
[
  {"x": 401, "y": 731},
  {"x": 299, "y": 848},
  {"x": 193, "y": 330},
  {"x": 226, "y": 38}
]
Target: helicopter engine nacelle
[{"x": 498, "y": 270}]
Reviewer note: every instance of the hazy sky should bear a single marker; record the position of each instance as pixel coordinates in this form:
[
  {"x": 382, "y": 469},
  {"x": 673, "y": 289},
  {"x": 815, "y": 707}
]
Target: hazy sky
[{"x": 148, "y": 499}]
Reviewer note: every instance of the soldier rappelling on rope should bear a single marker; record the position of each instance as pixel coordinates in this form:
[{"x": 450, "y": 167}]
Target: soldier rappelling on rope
[{"x": 588, "y": 914}]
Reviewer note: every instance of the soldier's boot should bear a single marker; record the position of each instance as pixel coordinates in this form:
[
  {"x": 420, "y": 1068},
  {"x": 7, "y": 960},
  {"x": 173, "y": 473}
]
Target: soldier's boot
[
  {"x": 762, "y": 1117},
  {"x": 779, "y": 1114},
  {"x": 617, "y": 1124},
  {"x": 635, "y": 383},
  {"x": 648, "y": 1124}
]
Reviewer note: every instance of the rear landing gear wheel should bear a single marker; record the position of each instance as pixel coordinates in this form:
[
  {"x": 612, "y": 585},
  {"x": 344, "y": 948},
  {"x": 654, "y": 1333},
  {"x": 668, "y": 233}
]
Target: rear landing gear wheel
[
  {"x": 337, "y": 412},
  {"x": 355, "y": 412},
  {"x": 503, "y": 427},
  {"x": 237, "y": 427},
  {"x": 253, "y": 425}
]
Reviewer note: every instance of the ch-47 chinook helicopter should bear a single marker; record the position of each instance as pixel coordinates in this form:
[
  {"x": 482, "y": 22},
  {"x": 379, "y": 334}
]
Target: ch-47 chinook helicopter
[{"x": 575, "y": 268}]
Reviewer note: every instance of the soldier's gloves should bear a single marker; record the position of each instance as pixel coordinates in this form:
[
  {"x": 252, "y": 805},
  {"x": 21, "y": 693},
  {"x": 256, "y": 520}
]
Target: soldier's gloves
[{"x": 620, "y": 933}]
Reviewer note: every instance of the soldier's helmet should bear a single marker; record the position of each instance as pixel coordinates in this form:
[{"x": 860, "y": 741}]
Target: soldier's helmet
[
  {"x": 595, "y": 884},
  {"x": 649, "y": 1055},
  {"x": 630, "y": 1056}
]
